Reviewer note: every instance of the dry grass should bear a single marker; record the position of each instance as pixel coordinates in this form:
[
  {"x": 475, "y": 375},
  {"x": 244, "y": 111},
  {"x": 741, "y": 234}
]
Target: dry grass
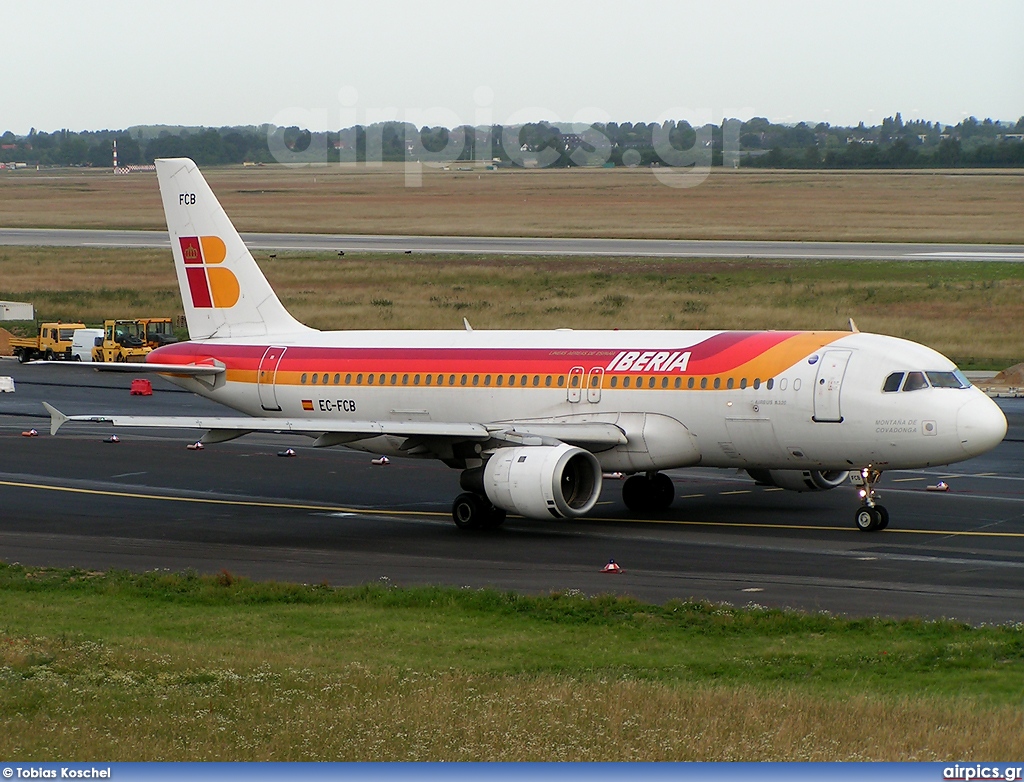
[
  {"x": 959, "y": 309},
  {"x": 928, "y": 206},
  {"x": 360, "y": 715}
]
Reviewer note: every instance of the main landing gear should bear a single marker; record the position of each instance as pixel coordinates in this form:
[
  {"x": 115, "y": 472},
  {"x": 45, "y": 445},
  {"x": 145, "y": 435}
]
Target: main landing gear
[
  {"x": 649, "y": 492},
  {"x": 474, "y": 511},
  {"x": 870, "y": 516}
]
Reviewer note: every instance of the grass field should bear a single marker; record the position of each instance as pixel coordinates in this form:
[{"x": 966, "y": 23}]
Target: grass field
[
  {"x": 179, "y": 667},
  {"x": 922, "y": 206},
  {"x": 960, "y": 309}
]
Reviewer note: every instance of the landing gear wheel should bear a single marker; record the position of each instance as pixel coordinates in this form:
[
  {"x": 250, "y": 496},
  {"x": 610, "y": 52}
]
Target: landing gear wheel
[
  {"x": 468, "y": 511},
  {"x": 869, "y": 519},
  {"x": 495, "y": 517},
  {"x": 883, "y": 517},
  {"x": 643, "y": 493},
  {"x": 662, "y": 492},
  {"x": 472, "y": 511},
  {"x": 635, "y": 493}
]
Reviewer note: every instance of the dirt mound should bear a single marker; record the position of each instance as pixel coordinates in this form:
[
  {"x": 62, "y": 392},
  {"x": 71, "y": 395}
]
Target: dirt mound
[
  {"x": 5, "y": 342},
  {"x": 1011, "y": 376}
]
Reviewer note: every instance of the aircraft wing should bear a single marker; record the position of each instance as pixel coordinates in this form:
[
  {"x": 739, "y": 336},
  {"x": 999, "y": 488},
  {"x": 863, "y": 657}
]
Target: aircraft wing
[
  {"x": 333, "y": 432},
  {"x": 139, "y": 368}
]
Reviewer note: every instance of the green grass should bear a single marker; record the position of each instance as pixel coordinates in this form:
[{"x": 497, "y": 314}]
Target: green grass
[{"x": 178, "y": 666}]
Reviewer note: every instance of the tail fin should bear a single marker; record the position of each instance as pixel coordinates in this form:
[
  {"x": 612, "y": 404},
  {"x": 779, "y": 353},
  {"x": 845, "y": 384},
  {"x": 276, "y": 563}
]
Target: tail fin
[{"x": 222, "y": 289}]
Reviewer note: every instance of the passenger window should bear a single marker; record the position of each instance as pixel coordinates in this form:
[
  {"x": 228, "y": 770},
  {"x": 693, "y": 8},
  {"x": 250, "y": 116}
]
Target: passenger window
[
  {"x": 892, "y": 383},
  {"x": 915, "y": 381}
]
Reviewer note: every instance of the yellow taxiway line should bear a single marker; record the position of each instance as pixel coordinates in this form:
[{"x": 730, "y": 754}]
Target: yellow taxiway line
[{"x": 438, "y": 514}]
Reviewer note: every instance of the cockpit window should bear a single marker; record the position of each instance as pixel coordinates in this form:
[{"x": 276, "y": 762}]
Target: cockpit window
[
  {"x": 915, "y": 381},
  {"x": 892, "y": 383},
  {"x": 954, "y": 379}
]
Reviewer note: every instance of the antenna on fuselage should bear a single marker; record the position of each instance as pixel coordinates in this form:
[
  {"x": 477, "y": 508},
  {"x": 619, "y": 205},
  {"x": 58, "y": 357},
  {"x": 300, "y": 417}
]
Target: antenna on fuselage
[{"x": 853, "y": 327}]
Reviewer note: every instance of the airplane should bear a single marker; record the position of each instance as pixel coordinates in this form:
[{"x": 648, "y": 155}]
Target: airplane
[{"x": 534, "y": 419}]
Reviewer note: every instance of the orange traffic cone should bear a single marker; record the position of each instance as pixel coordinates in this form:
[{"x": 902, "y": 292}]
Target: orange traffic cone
[{"x": 611, "y": 567}]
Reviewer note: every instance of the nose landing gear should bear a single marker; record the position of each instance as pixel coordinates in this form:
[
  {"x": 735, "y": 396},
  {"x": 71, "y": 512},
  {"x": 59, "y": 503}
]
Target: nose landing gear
[{"x": 870, "y": 516}]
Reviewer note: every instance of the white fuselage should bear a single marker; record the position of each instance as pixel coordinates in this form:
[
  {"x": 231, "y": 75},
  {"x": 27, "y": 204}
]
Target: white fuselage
[{"x": 775, "y": 400}]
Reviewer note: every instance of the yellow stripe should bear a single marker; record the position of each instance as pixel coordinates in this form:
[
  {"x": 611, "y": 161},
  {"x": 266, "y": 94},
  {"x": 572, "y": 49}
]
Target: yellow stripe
[{"x": 437, "y": 514}]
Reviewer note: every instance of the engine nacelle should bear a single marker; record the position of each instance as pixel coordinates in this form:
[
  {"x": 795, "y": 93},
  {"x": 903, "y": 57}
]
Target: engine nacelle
[
  {"x": 543, "y": 481},
  {"x": 800, "y": 480}
]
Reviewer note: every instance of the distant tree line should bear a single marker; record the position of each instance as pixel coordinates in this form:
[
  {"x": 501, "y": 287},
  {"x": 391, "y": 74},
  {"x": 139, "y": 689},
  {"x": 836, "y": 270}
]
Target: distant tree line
[{"x": 756, "y": 142}]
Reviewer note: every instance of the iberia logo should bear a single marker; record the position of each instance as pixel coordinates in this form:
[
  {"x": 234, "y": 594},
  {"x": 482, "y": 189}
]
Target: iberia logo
[{"x": 210, "y": 285}]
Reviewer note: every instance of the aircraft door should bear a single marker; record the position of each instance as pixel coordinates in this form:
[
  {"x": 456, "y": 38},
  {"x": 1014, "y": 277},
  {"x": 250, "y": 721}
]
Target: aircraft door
[
  {"x": 594, "y": 381},
  {"x": 828, "y": 386},
  {"x": 267, "y": 377},
  {"x": 574, "y": 393}
]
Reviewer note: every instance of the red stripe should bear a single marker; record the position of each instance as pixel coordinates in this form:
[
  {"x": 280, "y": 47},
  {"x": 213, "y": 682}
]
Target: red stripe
[
  {"x": 199, "y": 287},
  {"x": 719, "y": 354}
]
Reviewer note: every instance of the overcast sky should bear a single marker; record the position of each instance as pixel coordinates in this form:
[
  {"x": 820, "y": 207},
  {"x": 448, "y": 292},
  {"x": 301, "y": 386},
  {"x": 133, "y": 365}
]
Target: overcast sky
[{"x": 329, "y": 64}]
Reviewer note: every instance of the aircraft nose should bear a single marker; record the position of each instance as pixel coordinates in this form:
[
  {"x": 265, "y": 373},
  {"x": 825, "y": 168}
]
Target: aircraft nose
[{"x": 980, "y": 425}]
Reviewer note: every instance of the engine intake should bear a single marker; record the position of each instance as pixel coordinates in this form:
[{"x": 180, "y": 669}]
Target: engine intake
[
  {"x": 543, "y": 481},
  {"x": 800, "y": 480}
]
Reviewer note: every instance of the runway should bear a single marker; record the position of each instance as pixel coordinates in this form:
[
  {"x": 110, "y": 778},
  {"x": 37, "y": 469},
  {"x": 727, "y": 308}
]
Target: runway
[
  {"x": 494, "y": 245},
  {"x": 330, "y": 515}
]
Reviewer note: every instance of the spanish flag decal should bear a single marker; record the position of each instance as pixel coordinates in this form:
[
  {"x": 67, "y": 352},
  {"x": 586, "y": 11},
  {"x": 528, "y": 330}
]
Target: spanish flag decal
[{"x": 307, "y": 404}]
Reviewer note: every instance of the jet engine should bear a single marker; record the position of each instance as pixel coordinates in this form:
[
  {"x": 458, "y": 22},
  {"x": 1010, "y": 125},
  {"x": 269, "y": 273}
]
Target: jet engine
[
  {"x": 543, "y": 481},
  {"x": 800, "y": 480}
]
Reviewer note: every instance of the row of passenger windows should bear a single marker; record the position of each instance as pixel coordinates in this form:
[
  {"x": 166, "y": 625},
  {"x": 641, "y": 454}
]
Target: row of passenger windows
[
  {"x": 915, "y": 381},
  {"x": 547, "y": 381}
]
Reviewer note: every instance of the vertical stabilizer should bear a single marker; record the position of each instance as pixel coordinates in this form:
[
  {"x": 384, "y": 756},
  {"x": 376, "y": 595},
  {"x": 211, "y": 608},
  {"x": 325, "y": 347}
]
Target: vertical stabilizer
[{"x": 222, "y": 289}]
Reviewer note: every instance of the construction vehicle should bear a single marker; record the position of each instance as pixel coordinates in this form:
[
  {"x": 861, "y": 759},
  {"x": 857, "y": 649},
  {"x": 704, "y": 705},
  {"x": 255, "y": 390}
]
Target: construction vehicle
[
  {"x": 123, "y": 340},
  {"x": 158, "y": 331},
  {"x": 52, "y": 344}
]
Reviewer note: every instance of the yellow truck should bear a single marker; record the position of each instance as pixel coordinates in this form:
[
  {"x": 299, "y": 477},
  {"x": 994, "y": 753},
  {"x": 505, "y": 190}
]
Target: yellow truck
[
  {"x": 158, "y": 331},
  {"x": 52, "y": 344},
  {"x": 123, "y": 340}
]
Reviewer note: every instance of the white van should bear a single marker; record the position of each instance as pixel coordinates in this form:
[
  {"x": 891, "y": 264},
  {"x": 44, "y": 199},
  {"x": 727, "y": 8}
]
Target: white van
[{"x": 83, "y": 341}]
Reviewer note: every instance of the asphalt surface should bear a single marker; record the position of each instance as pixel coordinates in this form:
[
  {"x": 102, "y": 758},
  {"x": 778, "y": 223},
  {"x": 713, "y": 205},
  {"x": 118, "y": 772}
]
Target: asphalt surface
[
  {"x": 329, "y": 514},
  {"x": 670, "y": 248}
]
